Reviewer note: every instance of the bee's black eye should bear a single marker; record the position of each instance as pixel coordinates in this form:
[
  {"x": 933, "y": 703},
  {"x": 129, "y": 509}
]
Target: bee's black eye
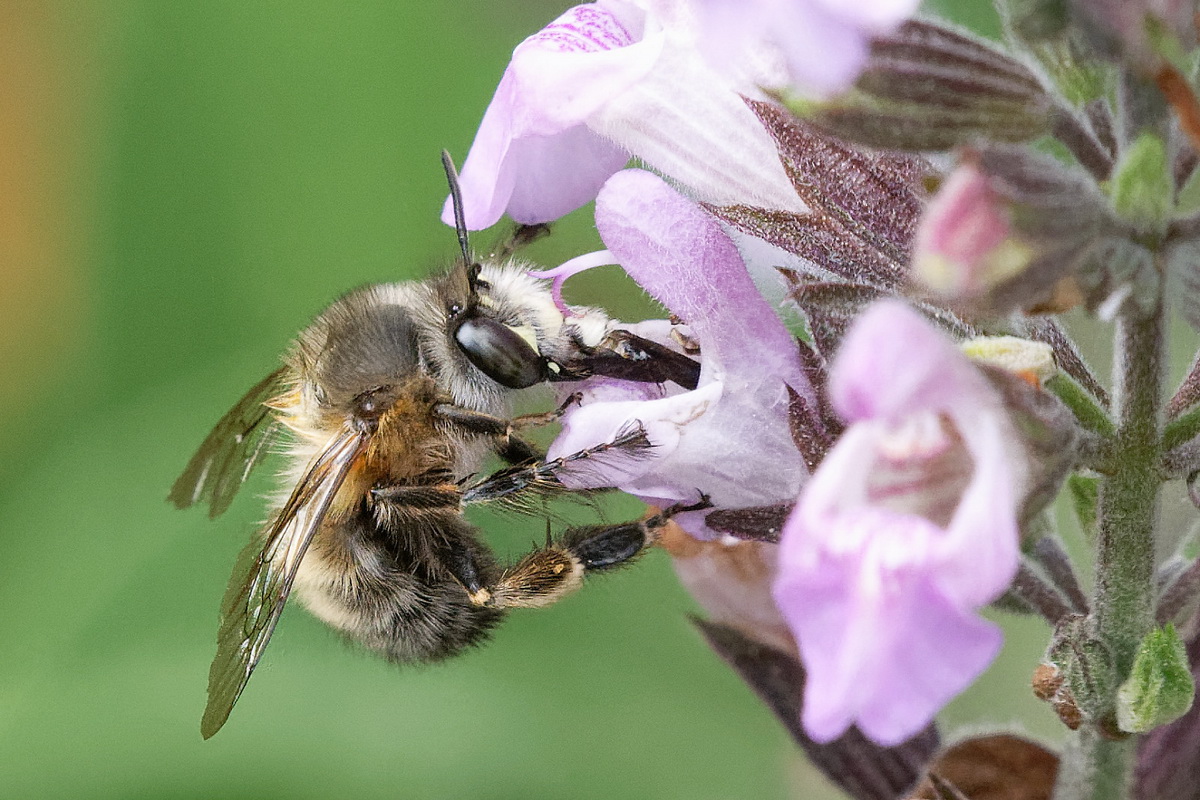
[{"x": 500, "y": 353}]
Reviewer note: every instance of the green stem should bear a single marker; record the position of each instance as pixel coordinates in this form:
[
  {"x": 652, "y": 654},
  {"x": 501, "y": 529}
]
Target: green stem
[
  {"x": 1129, "y": 497},
  {"x": 1099, "y": 768}
]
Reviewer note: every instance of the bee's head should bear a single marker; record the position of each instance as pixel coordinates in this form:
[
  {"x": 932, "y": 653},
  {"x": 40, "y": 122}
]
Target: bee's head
[
  {"x": 496, "y": 341},
  {"x": 480, "y": 332}
]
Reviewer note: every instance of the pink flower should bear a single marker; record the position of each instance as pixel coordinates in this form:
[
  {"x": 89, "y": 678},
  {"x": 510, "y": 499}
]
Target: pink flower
[
  {"x": 823, "y": 42},
  {"x": 605, "y": 81},
  {"x": 729, "y": 437},
  {"x": 965, "y": 244},
  {"x": 906, "y": 529}
]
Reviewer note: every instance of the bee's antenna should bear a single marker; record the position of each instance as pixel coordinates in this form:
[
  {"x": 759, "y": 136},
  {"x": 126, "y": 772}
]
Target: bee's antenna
[{"x": 460, "y": 221}]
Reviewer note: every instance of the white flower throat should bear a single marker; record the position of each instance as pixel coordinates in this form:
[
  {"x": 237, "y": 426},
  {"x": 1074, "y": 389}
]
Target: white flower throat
[{"x": 921, "y": 467}]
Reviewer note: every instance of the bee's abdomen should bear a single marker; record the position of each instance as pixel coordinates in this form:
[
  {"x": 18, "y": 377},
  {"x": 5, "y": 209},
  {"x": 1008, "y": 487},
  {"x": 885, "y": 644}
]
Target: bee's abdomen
[{"x": 389, "y": 590}]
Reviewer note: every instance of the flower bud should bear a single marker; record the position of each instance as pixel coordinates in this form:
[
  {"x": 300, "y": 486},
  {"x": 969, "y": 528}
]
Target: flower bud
[
  {"x": 1012, "y": 229},
  {"x": 1085, "y": 664},
  {"x": 965, "y": 243},
  {"x": 1159, "y": 689},
  {"x": 1033, "y": 361}
]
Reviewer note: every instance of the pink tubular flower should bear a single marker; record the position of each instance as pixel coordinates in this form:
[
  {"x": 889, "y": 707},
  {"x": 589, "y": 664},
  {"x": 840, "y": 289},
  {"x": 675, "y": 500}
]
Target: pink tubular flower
[
  {"x": 605, "y": 81},
  {"x": 906, "y": 529},
  {"x": 729, "y": 437},
  {"x": 823, "y": 42}
]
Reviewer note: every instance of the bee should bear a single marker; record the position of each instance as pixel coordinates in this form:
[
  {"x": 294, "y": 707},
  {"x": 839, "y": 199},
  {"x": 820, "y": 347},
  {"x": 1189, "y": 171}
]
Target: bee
[{"x": 385, "y": 408}]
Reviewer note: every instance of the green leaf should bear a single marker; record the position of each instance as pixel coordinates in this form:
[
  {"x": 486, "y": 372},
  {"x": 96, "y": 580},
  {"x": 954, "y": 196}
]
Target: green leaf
[
  {"x": 1160, "y": 689},
  {"x": 1142, "y": 188}
]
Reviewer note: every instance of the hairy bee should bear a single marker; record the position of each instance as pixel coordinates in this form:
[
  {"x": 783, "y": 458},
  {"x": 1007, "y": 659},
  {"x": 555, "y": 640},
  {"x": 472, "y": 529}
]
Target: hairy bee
[{"x": 386, "y": 406}]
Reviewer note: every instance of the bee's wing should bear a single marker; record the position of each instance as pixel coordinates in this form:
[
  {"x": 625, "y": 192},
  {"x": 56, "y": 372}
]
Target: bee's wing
[
  {"x": 231, "y": 450},
  {"x": 263, "y": 577}
]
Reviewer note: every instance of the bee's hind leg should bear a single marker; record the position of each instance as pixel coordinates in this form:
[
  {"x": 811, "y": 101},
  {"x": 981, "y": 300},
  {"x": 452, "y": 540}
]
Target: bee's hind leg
[{"x": 550, "y": 572}]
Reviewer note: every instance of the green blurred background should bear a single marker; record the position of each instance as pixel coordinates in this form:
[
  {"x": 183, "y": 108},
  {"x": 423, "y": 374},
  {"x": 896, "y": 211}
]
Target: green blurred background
[{"x": 183, "y": 185}]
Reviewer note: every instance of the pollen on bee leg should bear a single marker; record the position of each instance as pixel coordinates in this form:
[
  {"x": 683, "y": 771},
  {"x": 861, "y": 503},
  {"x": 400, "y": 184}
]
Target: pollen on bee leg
[
  {"x": 539, "y": 579},
  {"x": 480, "y": 597}
]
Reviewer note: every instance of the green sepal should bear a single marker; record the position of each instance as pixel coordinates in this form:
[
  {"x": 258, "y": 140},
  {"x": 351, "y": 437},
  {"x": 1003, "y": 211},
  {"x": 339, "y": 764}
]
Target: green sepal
[
  {"x": 1159, "y": 689},
  {"x": 1089, "y": 413},
  {"x": 1085, "y": 664},
  {"x": 1085, "y": 493},
  {"x": 1142, "y": 188}
]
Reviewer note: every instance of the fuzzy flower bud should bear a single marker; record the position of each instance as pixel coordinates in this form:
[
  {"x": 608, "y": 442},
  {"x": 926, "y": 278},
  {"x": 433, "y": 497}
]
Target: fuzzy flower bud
[
  {"x": 965, "y": 244},
  {"x": 1012, "y": 229}
]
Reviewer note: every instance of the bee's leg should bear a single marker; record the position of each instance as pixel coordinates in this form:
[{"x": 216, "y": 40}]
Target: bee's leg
[
  {"x": 631, "y": 357},
  {"x": 522, "y": 236},
  {"x": 543, "y": 475},
  {"x": 510, "y": 447},
  {"x": 546, "y": 574},
  {"x": 416, "y": 498},
  {"x": 516, "y": 450},
  {"x": 457, "y": 554}
]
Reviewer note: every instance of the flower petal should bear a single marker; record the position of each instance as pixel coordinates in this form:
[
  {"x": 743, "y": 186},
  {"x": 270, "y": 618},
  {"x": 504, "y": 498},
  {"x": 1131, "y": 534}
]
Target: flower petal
[
  {"x": 665, "y": 422},
  {"x": 882, "y": 646},
  {"x": 554, "y": 175},
  {"x": 880, "y": 575},
  {"x": 825, "y": 43},
  {"x": 691, "y": 123},
  {"x": 573, "y": 66},
  {"x": 982, "y": 548},
  {"x": 891, "y": 345},
  {"x": 532, "y": 156},
  {"x": 681, "y": 256}
]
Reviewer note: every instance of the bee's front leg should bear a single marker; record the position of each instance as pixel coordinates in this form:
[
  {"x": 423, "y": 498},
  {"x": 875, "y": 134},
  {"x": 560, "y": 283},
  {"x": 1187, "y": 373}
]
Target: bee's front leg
[
  {"x": 509, "y": 446},
  {"x": 630, "y": 357}
]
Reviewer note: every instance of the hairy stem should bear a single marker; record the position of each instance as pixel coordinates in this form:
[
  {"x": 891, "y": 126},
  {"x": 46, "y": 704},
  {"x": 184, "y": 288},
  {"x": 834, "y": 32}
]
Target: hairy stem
[
  {"x": 1098, "y": 767},
  {"x": 1129, "y": 497}
]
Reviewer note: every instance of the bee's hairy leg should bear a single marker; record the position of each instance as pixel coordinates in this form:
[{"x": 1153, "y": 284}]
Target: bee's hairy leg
[
  {"x": 630, "y": 357},
  {"x": 427, "y": 500},
  {"x": 545, "y": 418},
  {"x": 521, "y": 237},
  {"x": 510, "y": 447},
  {"x": 444, "y": 495},
  {"x": 550, "y": 572},
  {"x": 490, "y": 425},
  {"x": 543, "y": 475},
  {"x": 516, "y": 450}
]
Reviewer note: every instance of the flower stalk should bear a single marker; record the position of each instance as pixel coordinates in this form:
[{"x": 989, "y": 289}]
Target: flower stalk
[{"x": 1099, "y": 766}]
